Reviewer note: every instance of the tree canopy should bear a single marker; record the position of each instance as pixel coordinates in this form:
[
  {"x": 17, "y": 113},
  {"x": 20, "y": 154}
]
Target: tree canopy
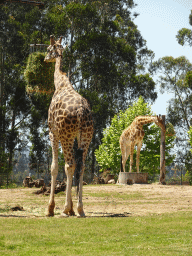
[
  {"x": 184, "y": 35},
  {"x": 105, "y": 61}
]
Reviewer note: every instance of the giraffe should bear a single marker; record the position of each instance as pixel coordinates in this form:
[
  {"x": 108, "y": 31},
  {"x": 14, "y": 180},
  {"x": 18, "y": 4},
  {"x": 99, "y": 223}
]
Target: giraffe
[
  {"x": 133, "y": 135},
  {"x": 69, "y": 119}
]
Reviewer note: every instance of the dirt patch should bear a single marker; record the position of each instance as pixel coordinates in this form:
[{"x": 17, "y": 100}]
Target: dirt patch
[{"x": 103, "y": 200}]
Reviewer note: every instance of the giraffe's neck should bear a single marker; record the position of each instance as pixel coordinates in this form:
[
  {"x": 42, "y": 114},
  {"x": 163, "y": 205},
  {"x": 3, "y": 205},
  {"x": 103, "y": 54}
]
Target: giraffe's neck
[
  {"x": 60, "y": 79},
  {"x": 141, "y": 120}
]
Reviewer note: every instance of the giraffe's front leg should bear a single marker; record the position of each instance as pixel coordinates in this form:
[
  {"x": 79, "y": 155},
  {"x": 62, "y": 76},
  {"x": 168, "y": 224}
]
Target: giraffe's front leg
[
  {"x": 54, "y": 172},
  {"x": 139, "y": 145},
  {"x": 125, "y": 155},
  {"x": 131, "y": 157}
]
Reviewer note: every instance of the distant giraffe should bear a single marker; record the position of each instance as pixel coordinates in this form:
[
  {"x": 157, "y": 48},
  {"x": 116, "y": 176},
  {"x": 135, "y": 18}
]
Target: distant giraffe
[
  {"x": 69, "y": 118},
  {"x": 133, "y": 135}
]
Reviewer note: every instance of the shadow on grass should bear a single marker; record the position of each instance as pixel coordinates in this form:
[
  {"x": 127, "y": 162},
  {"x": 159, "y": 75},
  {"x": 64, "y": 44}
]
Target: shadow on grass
[
  {"x": 93, "y": 215},
  {"x": 104, "y": 215},
  {"x": 12, "y": 216}
]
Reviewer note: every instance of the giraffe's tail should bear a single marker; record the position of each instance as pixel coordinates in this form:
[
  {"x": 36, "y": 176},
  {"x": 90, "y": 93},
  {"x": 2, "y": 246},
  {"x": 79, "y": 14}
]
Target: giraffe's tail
[
  {"x": 79, "y": 161},
  {"x": 121, "y": 165}
]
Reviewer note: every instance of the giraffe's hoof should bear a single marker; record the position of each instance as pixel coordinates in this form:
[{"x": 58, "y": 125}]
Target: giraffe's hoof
[
  {"x": 50, "y": 214},
  {"x": 71, "y": 213},
  {"x": 64, "y": 215},
  {"x": 51, "y": 209},
  {"x": 81, "y": 215}
]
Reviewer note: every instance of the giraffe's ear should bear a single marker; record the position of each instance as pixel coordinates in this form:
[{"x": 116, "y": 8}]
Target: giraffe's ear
[
  {"x": 60, "y": 39},
  {"x": 52, "y": 41}
]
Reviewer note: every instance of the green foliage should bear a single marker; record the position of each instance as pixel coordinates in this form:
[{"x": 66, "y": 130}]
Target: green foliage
[
  {"x": 184, "y": 35},
  {"x": 3, "y": 162},
  {"x": 190, "y": 136},
  {"x": 39, "y": 75},
  {"x": 108, "y": 155},
  {"x": 104, "y": 57},
  {"x": 189, "y": 172},
  {"x": 188, "y": 79},
  {"x": 61, "y": 161},
  {"x": 175, "y": 77},
  {"x": 171, "y": 73}
]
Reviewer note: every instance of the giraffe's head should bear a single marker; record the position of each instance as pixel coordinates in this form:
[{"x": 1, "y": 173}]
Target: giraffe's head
[
  {"x": 158, "y": 121},
  {"x": 54, "y": 50}
]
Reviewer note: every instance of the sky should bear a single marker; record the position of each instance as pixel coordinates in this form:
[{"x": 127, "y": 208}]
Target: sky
[{"x": 159, "y": 21}]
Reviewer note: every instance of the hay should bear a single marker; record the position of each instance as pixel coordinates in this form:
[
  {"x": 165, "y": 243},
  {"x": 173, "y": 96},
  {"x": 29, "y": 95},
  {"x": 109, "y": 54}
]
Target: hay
[{"x": 39, "y": 75}]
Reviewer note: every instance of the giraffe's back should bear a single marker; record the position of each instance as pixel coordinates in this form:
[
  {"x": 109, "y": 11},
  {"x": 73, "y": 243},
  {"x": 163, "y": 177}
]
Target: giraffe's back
[{"x": 69, "y": 113}]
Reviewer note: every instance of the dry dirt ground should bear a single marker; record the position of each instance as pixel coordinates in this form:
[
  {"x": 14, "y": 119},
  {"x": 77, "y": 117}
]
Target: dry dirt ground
[{"x": 102, "y": 200}]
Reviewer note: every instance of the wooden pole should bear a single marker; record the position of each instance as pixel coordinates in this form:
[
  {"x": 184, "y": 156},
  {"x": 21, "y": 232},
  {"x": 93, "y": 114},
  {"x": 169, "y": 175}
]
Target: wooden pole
[{"x": 162, "y": 155}]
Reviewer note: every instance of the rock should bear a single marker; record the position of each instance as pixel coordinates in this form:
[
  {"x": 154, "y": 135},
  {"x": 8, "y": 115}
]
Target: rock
[
  {"x": 112, "y": 181},
  {"x": 29, "y": 182},
  {"x": 108, "y": 177},
  {"x": 41, "y": 191},
  {"x": 60, "y": 186},
  {"x": 17, "y": 208},
  {"x": 26, "y": 181},
  {"x": 39, "y": 183},
  {"x": 98, "y": 180}
]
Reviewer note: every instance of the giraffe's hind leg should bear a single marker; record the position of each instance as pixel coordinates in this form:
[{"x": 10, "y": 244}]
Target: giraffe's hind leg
[
  {"x": 83, "y": 143},
  {"x": 69, "y": 171},
  {"x": 68, "y": 208}
]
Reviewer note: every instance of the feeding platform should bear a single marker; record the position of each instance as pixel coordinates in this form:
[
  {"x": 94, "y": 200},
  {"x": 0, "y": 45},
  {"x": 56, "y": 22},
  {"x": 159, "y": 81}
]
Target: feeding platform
[{"x": 138, "y": 178}]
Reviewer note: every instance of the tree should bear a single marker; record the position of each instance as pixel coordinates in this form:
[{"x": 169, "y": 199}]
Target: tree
[
  {"x": 188, "y": 163},
  {"x": 105, "y": 59},
  {"x": 19, "y": 24},
  {"x": 14, "y": 106},
  {"x": 176, "y": 78},
  {"x": 184, "y": 35},
  {"x": 108, "y": 155}
]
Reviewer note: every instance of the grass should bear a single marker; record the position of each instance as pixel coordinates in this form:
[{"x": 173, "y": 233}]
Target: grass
[
  {"x": 10, "y": 186},
  {"x": 116, "y": 195},
  {"x": 5, "y": 209},
  {"x": 167, "y": 234},
  {"x": 121, "y": 233}
]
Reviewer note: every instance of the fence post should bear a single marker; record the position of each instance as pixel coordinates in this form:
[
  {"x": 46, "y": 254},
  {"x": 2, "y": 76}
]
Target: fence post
[{"x": 162, "y": 155}]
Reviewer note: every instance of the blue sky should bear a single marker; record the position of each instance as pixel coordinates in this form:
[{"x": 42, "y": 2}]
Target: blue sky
[{"x": 159, "y": 21}]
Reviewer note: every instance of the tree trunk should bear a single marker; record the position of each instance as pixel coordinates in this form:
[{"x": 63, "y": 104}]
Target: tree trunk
[
  {"x": 162, "y": 156},
  {"x": 11, "y": 148},
  {"x": 93, "y": 158}
]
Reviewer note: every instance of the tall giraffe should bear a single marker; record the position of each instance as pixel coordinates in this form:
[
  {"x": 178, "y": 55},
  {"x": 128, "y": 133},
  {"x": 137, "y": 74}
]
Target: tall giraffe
[
  {"x": 133, "y": 135},
  {"x": 69, "y": 118}
]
